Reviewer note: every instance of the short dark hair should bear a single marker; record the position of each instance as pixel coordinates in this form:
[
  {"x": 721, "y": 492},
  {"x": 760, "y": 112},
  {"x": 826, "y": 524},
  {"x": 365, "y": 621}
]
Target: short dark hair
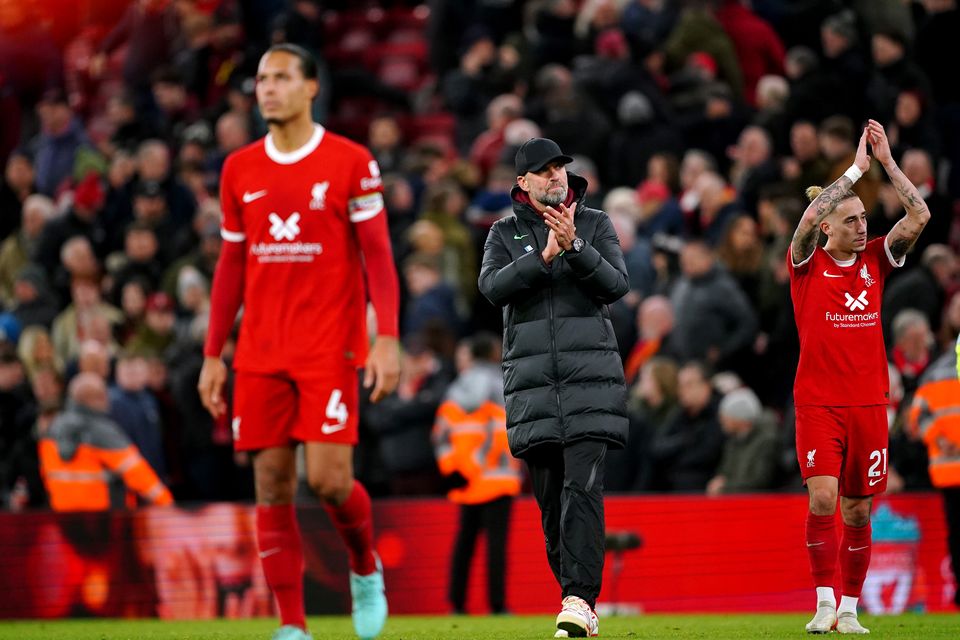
[
  {"x": 139, "y": 225},
  {"x": 420, "y": 259},
  {"x": 893, "y": 33},
  {"x": 483, "y": 346},
  {"x": 308, "y": 63},
  {"x": 8, "y": 353},
  {"x": 702, "y": 368},
  {"x": 167, "y": 75},
  {"x": 838, "y": 127}
]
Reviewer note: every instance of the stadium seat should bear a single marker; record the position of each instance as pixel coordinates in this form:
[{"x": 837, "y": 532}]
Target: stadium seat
[
  {"x": 415, "y": 18},
  {"x": 413, "y": 50},
  {"x": 405, "y": 24},
  {"x": 401, "y": 73},
  {"x": 336, "y": 23},
  {"x": 431, "y": 124},
  {"x": 349, "y": 47},
  {"x": 400, "y": 64}
]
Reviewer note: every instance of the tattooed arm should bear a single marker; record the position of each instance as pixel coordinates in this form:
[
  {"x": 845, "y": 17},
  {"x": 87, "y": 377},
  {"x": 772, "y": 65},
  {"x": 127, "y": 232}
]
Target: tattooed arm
[
  {"x": 808, "y": 231},
  {"x": 905, "y": 233}
]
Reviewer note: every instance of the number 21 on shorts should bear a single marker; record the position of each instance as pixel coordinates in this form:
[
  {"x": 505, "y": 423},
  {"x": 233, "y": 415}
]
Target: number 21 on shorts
[{"x": 878, "y": 457}]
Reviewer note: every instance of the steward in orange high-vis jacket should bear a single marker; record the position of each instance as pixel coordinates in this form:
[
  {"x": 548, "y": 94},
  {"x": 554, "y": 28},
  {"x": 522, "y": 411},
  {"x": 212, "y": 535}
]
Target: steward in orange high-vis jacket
[
  {"x": 470, "y": 438},
  {"x": 86, "y": 460}
]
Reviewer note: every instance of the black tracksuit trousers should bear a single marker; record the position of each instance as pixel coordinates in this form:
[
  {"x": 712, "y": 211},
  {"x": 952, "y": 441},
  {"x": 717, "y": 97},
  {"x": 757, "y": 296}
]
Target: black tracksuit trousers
[{"x": 568, "y": 485}]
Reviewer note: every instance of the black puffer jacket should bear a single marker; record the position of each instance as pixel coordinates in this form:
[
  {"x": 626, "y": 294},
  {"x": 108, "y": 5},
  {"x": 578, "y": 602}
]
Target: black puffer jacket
[{"x": 562, "y": 373}]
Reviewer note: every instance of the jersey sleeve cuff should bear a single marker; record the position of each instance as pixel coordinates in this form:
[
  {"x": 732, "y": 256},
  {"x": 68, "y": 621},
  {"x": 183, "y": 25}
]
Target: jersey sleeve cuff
[
  {"x": 886, "y": 250},
  {"x": 365, "y": 215},
  {"x": 802, "y": 262},
  {"x": 232, "y": 236}
]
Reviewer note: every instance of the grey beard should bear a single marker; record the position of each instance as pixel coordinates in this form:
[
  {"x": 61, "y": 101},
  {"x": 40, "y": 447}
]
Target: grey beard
[{"x": 553, "y": 200}]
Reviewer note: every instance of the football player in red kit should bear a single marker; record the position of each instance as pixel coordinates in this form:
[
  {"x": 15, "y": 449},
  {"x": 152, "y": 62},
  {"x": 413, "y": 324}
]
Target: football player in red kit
[
  {"x": 303, "y": 219},
  {"x": 841, "y": 389}
]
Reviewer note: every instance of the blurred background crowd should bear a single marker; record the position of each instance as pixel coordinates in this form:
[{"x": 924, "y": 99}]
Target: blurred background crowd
[{"x": 698, "y": 124}]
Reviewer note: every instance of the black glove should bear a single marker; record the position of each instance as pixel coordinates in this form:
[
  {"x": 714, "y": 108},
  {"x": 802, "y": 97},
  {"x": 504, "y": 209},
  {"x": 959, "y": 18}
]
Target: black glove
[{"x": 455, "y": 480}]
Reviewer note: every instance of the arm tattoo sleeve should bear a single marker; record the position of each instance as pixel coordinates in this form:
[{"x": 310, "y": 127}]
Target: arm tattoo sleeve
[
  {"x": 805, "y": 240},
  {"x": 905, "y": 233},
  {"x": 900, "y": 246},
  {"x": 909, "y": 196}
]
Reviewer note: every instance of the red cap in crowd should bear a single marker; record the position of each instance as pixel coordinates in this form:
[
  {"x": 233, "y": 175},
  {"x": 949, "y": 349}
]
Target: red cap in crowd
[
  {"x": 89, "y": 192},
  {"x": 652, "y": 190},
  {"x": 159, "y": 302}
]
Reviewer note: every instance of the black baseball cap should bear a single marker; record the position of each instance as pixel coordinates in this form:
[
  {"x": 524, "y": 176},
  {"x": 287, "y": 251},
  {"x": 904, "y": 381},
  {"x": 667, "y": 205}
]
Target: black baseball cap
[{"x": 536, "y": 153}]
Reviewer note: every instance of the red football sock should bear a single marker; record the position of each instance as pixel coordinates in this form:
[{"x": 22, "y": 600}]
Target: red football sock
[
  {"x": 854, "y": 558},
  {"x": 281, "y": 554},
  {"x": 354, "y": 521},
  {"x": 822, "y": 549}
]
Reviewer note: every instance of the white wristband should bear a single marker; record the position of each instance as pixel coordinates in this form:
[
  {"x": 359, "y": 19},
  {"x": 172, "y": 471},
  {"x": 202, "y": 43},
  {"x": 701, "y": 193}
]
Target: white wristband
[{"x": 853, "y": 173}]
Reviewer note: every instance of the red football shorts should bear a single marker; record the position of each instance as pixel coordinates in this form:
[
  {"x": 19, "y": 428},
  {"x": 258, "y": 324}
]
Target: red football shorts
[
  {"x": 848, "y": 443},
  {"x": 273, "y": 410}
]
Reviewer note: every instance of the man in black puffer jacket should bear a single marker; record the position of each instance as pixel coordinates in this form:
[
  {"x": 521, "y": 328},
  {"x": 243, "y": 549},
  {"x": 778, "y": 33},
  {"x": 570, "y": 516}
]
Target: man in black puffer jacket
[{"x": 563, "y": 378}]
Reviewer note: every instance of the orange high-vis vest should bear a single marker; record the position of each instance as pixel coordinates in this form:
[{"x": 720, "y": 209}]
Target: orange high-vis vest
[
  {"x": 80, "y": 456},
  {"x": 475, "y": 444},
  {"x": 934, "y": 417}
]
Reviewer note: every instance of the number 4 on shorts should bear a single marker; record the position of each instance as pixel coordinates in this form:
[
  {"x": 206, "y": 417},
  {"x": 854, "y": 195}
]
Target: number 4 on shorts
[{"x": 337, "y": 410}]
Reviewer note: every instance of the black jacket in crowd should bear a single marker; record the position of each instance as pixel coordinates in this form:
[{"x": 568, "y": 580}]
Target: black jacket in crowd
[{"x": 562, "y": 373}]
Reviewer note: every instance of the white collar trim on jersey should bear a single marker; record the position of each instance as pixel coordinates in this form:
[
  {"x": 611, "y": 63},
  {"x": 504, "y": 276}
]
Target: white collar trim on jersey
[
  {"x": 296, "y": 155},
  {"x": 842, "y": 263}
]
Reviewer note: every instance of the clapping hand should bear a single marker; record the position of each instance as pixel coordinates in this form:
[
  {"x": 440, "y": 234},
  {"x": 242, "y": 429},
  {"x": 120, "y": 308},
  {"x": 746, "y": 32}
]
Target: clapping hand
[
  {"x": 878, "y": 142},
  {"x": 862, "y": 160},
  {"x": 561, "y": 223}
]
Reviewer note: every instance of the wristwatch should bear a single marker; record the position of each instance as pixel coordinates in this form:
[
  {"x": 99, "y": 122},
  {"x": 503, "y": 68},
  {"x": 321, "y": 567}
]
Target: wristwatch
[{"x": 577, "y": 245}]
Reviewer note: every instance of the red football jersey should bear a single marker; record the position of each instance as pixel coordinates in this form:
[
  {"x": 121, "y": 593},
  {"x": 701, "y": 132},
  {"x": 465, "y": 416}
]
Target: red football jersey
[
  {"x": 843, "y": 361},
  {"x": 304, "y": 301}
]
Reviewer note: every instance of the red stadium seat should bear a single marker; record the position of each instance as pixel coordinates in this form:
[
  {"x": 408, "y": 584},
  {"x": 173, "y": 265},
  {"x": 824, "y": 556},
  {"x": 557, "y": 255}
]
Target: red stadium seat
[
  {"x": 401, "y": 73},
  {"x": 415, "y": 50},
  {"x": 335, "y": 23},
  {"x": 348, "y": 49},
  {"x": 433, "y": 123},
  {"x": 400, "y": 64},
  {"x": 357, "y": 39},
  {"x": 437, "y": 128},
  {"x": 408, "y": 18}
]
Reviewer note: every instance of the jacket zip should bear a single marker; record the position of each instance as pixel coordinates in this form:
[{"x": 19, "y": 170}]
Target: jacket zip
[
  {"x": 556, "y": 367},
  {"x": 553, "y": 335}
]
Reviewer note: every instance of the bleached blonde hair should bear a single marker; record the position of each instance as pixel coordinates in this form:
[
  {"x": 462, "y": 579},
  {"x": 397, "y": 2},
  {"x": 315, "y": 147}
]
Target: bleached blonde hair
[{"x": 813, "y": 191}]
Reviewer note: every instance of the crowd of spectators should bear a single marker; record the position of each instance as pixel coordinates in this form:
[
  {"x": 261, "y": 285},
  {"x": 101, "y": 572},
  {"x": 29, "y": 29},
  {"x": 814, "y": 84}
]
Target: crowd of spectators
[{"x": 698, "y": 124}]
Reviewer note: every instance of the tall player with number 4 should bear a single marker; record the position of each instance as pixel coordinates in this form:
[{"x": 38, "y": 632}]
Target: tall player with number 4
[
  {"x": 303, "y": 219},
  {"x": 841, "y": 390}
]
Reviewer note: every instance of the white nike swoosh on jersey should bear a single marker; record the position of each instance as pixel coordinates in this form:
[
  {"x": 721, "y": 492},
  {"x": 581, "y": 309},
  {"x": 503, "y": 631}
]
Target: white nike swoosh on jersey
[
  {"x": 270, "y": 552},
  {"x": 327, "y": 429},
  {"x": 874, "y": 481},
  {"x": 250, "y": 197},
  {"x": 831, "y": 275},
  {"x": 814, "y": 544},
  {"x": 857, "y": 548}
]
